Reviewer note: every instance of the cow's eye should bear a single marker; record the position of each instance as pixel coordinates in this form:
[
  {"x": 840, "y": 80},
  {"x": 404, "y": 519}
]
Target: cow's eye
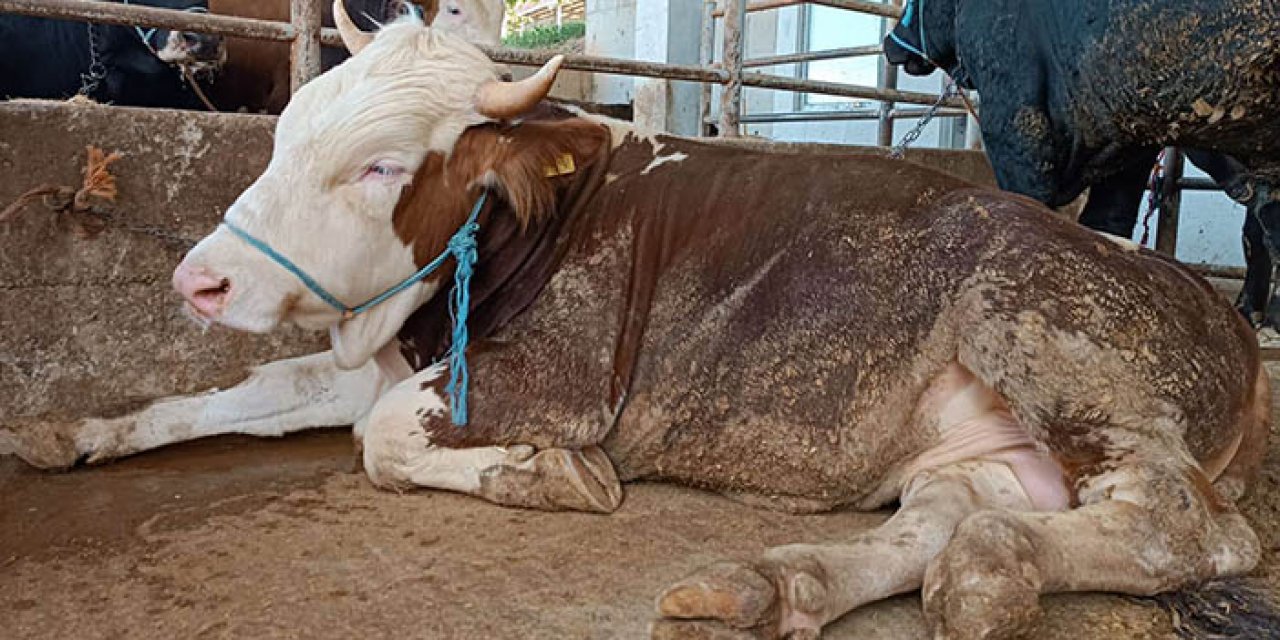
[{"x": 383, "y": 171}]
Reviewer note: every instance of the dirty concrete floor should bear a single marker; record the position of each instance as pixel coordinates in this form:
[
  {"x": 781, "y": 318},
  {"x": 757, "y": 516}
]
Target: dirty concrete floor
[{"x": 241, "y": 538}]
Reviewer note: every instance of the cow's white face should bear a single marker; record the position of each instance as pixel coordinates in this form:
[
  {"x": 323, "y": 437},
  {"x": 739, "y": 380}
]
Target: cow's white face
[
  {"x": 478, "y": 21},
  {"x": 345, "y": 147}
]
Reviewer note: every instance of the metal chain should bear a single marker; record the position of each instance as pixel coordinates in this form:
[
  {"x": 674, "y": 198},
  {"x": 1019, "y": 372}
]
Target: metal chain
[
  {"x": 89, "y": 82},
  {"x": 898, "y": 151}
]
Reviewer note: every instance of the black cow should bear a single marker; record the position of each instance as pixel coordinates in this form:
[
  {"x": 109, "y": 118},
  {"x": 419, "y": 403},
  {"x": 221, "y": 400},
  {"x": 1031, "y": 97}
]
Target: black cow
[
  {"x": 1113, "y": 208},
  {"x": 57, "y": 59},
  {"x": 1083, "y": 94}
]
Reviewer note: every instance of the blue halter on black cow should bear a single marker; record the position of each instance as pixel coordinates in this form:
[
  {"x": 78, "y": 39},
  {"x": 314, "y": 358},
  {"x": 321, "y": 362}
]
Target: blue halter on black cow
[
  {"x": 129, "y": 66},
  {"x": 1082, "y": 95}
]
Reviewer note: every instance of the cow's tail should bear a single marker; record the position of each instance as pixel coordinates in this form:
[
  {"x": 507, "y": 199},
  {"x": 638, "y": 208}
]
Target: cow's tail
[{"x": 1223, "y": 609}]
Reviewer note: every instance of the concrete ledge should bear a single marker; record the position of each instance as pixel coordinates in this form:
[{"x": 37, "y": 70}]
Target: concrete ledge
[{"x": 91, "y": 326}]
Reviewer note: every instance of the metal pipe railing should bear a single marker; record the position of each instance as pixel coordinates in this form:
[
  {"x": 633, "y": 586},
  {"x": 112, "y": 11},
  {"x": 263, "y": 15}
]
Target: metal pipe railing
[
  {"x": 305, "y": 35},
  {"x": 846, "y": 114},
  {"x": 305, "y": 17},
  {"x": 735, "y": 25},
  {"x": 813, "y": 56},
  {"x": 782, "y": 83},
  {"x": 860, "y": 6}
]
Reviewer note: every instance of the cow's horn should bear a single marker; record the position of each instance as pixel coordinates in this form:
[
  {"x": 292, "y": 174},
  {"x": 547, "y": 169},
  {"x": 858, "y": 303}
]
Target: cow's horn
[
  {"x": 352, "y": 36},
  {"x": 505, "y": 100}
]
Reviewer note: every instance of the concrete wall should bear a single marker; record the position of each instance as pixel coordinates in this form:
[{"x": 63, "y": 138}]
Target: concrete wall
[{"x": 91, "y": 326}]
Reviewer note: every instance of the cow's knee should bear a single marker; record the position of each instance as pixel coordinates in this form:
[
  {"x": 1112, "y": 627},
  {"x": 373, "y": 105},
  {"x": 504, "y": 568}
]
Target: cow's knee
[{"x": 398, "y": 453}]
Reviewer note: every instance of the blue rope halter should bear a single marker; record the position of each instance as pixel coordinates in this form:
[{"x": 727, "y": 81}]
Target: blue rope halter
[
  {"x": 907, "y": 15},
  {"x": 462, "y": 246}
]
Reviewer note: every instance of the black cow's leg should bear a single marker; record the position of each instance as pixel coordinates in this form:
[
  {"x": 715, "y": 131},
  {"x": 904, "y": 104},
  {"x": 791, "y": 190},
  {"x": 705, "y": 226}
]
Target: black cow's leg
[
  {"x": 1255, "y": 293},
  {"x": 1115, "y": 201},
  {"x": 1265, "y": 212}
]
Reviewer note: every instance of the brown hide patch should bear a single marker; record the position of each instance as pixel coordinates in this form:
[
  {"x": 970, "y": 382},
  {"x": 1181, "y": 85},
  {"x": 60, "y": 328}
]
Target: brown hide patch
[{"x": 517, "y": 156}]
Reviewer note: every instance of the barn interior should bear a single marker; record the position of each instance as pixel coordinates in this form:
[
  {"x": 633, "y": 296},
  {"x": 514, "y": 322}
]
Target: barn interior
[{"x": 241, "y": 537}]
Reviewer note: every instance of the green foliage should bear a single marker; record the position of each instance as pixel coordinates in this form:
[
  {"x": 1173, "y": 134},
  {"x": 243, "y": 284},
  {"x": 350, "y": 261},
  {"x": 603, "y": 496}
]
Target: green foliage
[{"x": 546, "y": 36}]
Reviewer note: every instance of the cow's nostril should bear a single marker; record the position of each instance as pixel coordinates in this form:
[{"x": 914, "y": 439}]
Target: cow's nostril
[{"x": 215, "y": 293}]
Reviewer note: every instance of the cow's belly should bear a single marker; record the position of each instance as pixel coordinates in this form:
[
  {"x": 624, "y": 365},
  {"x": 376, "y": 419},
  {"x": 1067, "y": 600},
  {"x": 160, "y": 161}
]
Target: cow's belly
[{"x": 864, "y": 463}]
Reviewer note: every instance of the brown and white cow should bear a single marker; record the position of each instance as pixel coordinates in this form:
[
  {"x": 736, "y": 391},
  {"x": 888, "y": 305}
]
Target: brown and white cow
[{"x": 1054, "y": 411}]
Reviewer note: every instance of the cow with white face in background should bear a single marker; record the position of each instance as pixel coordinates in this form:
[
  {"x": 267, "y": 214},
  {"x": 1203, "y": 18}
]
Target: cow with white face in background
[{"x": 1054, "y": 411}]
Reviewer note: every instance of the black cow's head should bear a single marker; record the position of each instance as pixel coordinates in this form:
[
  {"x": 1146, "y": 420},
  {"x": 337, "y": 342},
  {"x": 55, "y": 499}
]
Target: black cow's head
[
  {"x": 907, "y": 45},
  {"x": 149, "y": 50},
  {"x": 371, "y": 15}
]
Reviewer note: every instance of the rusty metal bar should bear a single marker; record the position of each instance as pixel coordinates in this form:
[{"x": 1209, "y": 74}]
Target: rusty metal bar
[
  {"x": 1170, "y": 204},
  {"x": 888, "y": 80},
  {"x": 861, "y": 6},
  {"x": 706, "y": 58},
  {"x": 600, "y": 64},
  {"x": 767, "y": 81},
  {"x": 810, "y": 56},
  {"x": 304, "y": 55},
  {"x": 137, "y": 15},
  {"x": 735, "y": 26},
  {"x": 847, "y": 114}
]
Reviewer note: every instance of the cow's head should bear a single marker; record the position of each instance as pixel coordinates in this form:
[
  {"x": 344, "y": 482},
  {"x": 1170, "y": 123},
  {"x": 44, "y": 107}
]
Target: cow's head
[
  {"x": 372, "y": 14},
  {"x": 921, "y": 42},
  {"x": 198, "y": 51},
  {"x": 478, "y": 21},
  {"x": 347, "y": 148}
]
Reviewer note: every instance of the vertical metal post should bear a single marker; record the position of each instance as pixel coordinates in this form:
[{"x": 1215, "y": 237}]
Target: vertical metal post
[
  {"x": 735, "y": 26},
  {"x": 888, "y": 80},
  {"x": 1170, "y": 203},
  {"x": 304, "y": 56},
  {"x": 973, "y": 128},
  {"x": 706, "y": 58}
]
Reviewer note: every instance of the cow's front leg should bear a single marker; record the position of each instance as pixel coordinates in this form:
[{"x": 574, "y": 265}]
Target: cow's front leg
[
  {"x": 399, "y": 454},
  {"x": 276, "y": 399},
  {"x": 795, "y": 590}
]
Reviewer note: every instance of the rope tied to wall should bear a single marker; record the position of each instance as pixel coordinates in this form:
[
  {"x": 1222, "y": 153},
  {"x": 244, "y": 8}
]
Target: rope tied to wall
[
  {"x": 89, "y": 209},
  {"x": 83, "y": 205}
]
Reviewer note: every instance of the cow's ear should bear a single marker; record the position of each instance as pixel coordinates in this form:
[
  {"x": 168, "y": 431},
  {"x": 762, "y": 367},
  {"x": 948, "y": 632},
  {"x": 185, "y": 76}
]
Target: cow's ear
[{"x": 536, "y": 158}]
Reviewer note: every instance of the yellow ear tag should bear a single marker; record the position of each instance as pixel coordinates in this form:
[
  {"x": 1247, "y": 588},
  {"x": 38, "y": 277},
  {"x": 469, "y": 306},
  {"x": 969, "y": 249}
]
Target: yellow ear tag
[{"x": 564, "y": 166}]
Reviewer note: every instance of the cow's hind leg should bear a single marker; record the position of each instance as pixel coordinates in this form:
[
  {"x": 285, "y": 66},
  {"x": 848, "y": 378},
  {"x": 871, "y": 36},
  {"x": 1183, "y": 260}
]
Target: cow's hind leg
[
  {"x": 795, "y": 590},
  {"x": 399, "y": 454},
  {"x": 1150, "y": 524}
]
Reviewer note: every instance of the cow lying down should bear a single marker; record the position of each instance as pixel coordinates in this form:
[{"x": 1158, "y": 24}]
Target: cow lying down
[{"x": 1054, "y": 411}]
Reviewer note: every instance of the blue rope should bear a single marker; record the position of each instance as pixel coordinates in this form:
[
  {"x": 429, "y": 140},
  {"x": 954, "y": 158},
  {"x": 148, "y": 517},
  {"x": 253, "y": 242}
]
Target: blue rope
[{"x": 462, "y": 247}]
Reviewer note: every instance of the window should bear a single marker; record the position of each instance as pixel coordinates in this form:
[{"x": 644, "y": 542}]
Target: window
[{"x": 827, "y": 28}]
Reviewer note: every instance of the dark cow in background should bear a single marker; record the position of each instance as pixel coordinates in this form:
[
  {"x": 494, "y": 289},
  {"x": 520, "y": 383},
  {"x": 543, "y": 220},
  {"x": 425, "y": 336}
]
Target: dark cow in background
[
  {"x": 57, "y": 59},
  {"x": 1083, "y": 94},
  {"x": 256, "y": 76},
  {"x": 1114, "y": 209}
]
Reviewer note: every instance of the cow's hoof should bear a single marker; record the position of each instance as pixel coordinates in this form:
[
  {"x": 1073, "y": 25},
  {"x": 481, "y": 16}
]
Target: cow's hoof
[
  {"x": 44, "y": 446},
  {"x": 985, "y": 584},
  {"x": 783, "y": 596},
  {"x": 555, "y": 480}
]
